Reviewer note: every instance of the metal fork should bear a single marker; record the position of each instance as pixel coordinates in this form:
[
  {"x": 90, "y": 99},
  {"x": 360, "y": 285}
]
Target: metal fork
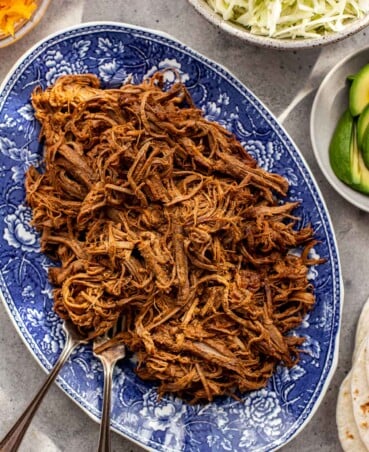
[
  {"x": 108, "y": 358},
  {"x": 13, "y": 438}
]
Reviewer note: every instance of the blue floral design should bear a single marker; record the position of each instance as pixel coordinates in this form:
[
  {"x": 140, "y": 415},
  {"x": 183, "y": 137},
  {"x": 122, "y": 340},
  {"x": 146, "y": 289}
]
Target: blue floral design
[
  {"x": 263, "y": 411},
  {"x": 27, "y": 112},
  {"x": 170, "y": 76},
  {"x": 18, "y": 232},
  {"x": 107, "y": 48},
  {"x": 22, "y": 155},
  {"x": 8, "y": 147},
  {"x": 56, "y": 64},
  {"x": 113, "y": 72},
  {"x": 265, "y": 153},
  {"x": 28, "y": 293}
]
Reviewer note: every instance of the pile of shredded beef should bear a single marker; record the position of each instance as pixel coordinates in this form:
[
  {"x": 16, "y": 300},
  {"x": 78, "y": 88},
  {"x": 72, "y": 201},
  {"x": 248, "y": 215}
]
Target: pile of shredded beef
[{"x": 161, "y": 216}]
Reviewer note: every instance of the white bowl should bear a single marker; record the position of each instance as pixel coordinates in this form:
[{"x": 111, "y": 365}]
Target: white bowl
[
  {"x": 331, "y": 100},
  {"x": 280, "y": 44}
]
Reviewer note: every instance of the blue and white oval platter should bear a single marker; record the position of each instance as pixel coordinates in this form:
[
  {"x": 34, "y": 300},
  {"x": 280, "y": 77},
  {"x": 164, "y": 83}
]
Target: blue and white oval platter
[{"x": 263, "y": 420}]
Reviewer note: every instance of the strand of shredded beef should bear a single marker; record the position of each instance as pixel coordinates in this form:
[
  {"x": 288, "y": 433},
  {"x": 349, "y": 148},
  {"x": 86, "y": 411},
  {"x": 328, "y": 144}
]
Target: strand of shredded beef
[{"x": 161, "y": 216}]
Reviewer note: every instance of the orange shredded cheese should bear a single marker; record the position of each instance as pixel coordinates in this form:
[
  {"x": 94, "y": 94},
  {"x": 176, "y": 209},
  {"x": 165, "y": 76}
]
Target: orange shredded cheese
[{"x": 14, "y": 11}]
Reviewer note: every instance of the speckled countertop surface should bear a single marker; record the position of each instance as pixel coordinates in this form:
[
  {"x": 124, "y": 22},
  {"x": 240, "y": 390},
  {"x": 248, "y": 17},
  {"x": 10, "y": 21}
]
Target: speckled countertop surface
[{"x": 275, "y": 77}]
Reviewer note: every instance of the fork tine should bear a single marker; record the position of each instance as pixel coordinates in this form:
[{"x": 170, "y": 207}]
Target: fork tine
[{"x": 108, "y": 355}]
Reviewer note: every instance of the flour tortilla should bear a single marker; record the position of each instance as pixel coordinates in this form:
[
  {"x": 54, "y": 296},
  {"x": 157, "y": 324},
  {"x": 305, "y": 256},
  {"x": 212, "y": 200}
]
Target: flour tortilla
[
  {"x": 354, "y": 392},
  {"x": 360, "y": 394},
  {"x": 347, "y": 430},
  {"x": 362, "y": 329}
]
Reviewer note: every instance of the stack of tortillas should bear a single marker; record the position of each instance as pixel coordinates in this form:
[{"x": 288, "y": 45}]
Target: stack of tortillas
[{"x": 353, "y": 398}]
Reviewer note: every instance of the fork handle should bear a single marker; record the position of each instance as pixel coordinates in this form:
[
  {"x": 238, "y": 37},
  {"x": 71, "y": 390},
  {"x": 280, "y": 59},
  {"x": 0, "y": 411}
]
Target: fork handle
[
  {"x": 14, "y": 437},
  {"x": 104, "y": 438}
]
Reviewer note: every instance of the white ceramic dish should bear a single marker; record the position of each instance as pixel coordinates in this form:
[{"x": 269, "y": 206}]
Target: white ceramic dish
[
  {"x": 330, "y": 102},
  {"x": 281, "y": 44}
]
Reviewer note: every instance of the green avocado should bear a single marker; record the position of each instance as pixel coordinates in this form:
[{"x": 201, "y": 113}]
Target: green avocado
[
  {"x": 363, "y": 185},
  {"x": 345, "y": 156},
  {"x": 359, "y": 170},
  {"x": 359, "y": 91},
  {"x": 340, "y": 149},
  {"x": 365, "y": 147},
  {"x": 355, "y": 160},
  {"x": 362, "y": 126}
]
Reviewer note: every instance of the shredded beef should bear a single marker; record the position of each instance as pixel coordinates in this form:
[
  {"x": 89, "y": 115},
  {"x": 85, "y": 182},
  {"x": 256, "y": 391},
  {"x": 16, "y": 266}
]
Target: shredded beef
[{"x": 160, "y": 216}]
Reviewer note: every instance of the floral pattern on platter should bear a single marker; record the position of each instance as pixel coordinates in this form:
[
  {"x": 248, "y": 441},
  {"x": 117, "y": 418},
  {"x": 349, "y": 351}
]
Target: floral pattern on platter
[{"x": 261, "y": 420}]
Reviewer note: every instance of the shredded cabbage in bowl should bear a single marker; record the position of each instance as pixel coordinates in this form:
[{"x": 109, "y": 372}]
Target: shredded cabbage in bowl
[{"x": 286, "y": 19}]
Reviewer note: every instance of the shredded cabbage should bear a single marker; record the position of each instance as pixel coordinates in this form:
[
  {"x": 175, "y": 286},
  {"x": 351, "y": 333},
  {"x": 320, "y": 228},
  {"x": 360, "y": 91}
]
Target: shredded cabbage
[{"x": 291, "y": 18}]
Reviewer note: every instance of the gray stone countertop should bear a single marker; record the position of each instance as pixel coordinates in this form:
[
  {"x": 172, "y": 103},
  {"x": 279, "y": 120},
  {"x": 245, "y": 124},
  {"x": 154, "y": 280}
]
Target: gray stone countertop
[{"x": 275, "y": 77}]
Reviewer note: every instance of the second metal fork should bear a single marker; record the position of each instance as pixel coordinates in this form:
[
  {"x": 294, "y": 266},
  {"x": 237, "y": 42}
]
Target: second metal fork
[{"x": 108, "y": 357}]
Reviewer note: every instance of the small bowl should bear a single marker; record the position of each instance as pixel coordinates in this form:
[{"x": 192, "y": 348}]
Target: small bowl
[
  {"x": 24, "y": 26},
  {"x": 330, "y": 101},
  {"x": 275, "y": 43}
]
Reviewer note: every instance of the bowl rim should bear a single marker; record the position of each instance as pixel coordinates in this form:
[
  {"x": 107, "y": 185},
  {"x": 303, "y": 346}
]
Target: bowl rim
[
  {"x": 27, "y": 26},
  {"x": 275, "y": 43}
]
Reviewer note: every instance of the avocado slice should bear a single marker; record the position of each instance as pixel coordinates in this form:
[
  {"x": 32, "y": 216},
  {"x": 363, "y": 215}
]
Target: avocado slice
[
  {"x": 345, "y": 156},
  {"x": 359, "y": 91},
  {"x": 359, "y": 171},
  {"x": 340, "y": 149},
  {"x": 365, "y": 147},
  {"x": 363, "y": 185},
  {"x": 362, "y": 126}
]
